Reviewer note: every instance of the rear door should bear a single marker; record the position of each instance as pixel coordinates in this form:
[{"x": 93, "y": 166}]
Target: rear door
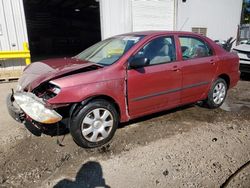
[
  {"x": 199, "y": 64},
  {"x": 157, "y": 85}
]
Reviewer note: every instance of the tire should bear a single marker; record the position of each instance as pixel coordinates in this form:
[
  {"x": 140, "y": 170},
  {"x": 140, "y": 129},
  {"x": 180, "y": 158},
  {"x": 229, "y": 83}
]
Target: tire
[
  {"x": 217, "y": 94},
  {"x": 94, "y": 124}
]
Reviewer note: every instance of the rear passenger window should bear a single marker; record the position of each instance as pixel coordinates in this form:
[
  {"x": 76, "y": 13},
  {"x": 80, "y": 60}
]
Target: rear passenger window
[{"x": 194, "y": 48}]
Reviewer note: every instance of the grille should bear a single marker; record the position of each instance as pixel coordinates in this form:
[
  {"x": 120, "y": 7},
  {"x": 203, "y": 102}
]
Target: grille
[{"x": 245, "y": 68}]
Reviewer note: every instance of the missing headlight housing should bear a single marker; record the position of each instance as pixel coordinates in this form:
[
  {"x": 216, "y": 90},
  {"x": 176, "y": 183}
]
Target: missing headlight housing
[{"x": 47, "y": 91}]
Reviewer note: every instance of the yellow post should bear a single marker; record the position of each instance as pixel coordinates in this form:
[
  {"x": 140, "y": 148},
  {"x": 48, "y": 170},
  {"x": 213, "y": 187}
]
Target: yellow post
[
  {"x": 26, "y": 48},
  {"x": 25, "y": 53},
  {"x": 16, "y": 54}
]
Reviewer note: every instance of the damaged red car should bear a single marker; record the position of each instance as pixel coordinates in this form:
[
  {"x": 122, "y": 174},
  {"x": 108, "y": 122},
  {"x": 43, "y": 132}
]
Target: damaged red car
[{"x": 119, "y": 79}]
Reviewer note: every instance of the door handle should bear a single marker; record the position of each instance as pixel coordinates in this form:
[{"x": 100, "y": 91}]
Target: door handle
[
  {"x": 175, "y": 68},
  {"x": 212, "y": 61}
]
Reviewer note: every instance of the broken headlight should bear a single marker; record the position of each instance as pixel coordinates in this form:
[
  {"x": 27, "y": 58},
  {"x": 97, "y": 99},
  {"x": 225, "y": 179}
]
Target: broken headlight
[{"x": 35, "y": 108}]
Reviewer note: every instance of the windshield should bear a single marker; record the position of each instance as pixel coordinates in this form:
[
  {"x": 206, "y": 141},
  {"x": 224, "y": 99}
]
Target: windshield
[
  {"x": 109, "y": 51},
  {"x": 248, "y": 41}
]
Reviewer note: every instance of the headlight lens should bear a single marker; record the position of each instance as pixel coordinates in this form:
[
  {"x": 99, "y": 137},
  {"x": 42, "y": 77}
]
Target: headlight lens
[{"x": 35, "y": 108}]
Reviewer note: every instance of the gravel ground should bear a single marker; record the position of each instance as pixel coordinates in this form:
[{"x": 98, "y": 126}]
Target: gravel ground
[
  {"x": 203, "y": 157},
  {"x": 10, "y": 133},
  {"x": 185, "y": 147}
]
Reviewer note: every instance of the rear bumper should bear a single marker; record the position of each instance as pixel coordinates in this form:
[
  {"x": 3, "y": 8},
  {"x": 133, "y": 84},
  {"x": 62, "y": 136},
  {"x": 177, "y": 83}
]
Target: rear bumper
[{"x": 15, "y": 112}]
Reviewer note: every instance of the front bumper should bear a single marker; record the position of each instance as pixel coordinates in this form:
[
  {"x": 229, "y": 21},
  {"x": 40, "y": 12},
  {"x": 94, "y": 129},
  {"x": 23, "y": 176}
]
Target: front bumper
[
  {"x": 34, "y": 127},
  {"x": 24, "y": 105},
  {"x": 244, "y": 68},
  {"x": 15, "y": 112}
]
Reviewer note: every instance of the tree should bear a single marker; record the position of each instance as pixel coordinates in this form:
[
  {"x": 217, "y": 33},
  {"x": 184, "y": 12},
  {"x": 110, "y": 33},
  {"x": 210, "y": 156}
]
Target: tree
[{"x": 245, "y": 14}]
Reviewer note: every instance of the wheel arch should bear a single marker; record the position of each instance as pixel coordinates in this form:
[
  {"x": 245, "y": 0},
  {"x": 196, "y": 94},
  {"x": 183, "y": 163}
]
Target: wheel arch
[
  {"x": 109, "y": 99},
  {"x": 77, "y": 106},
  {"x": 226, "y": 78}
]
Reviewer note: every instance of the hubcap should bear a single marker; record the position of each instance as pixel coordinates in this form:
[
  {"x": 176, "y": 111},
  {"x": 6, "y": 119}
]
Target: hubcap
[
  {"x": 219, "y": 93},
  {"x": 97, "y": 125}
]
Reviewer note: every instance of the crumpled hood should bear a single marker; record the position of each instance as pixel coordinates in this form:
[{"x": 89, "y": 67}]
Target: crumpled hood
[
  {"x": 243, "y": 47},
  {"x": 39, "y": 72}
]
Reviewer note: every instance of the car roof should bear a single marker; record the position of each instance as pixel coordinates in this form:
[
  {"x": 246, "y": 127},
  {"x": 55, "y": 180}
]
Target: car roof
[{"x": 155, "y": 33}]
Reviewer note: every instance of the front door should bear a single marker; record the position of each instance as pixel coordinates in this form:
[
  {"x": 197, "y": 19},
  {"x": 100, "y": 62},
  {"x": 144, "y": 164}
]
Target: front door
[{"x": 157, "y": 85}]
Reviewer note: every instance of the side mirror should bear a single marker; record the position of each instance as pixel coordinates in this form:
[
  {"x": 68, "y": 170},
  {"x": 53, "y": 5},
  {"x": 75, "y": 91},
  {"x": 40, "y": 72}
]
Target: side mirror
[{"x": 138, "y": 62}]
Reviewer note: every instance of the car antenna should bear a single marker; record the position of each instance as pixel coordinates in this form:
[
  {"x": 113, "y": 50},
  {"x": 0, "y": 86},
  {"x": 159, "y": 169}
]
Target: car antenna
[{"x": 184, "y": 23}]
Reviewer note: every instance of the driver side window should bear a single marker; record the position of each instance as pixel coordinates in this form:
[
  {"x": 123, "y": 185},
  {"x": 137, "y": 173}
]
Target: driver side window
[{"x": 158, "y": 51}]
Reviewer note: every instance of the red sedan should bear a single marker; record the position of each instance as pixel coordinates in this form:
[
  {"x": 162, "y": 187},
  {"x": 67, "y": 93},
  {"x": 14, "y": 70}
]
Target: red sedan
[{"x": 119, "y": 79}]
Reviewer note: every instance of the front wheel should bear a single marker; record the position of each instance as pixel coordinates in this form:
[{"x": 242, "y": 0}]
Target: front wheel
[
  {"x": 217, "y": 93},
  {"x": 95, "y": 124}
]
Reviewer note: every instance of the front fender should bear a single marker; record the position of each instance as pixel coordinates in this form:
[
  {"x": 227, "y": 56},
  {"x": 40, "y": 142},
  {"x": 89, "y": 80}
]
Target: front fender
[{"x": 114, "y": 89}]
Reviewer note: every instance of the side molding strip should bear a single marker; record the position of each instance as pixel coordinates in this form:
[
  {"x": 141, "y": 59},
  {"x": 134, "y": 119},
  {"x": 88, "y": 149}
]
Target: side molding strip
[{"x": 169, "y": 91}]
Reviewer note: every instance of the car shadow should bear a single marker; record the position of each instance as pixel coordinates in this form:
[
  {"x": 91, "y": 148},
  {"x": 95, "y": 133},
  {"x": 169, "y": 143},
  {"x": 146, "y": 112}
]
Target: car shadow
[
  {"x": 56, "y": 130},
  {"x": 155, "y": 115},
  {"x": 90, "y": 175},
  {"x": 61, "y": 130}
]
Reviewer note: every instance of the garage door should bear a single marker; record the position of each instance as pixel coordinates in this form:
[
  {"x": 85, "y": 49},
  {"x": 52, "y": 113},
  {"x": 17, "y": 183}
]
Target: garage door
[{"x": 153, "y": 15}]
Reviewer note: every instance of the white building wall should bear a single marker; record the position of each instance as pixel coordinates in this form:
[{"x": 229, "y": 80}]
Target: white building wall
[
  {"x": 123, "y": 16},
  {"x": 153, "y": 15},
  {"x": 220, "y": 17},
  {"x": 115, "y": 17},
  {"x": 13, "y": 31}
]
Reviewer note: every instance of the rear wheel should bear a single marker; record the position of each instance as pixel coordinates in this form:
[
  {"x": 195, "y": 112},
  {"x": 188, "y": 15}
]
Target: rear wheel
[
  {"x": 217, "y": 94},
  {"x": 95, "y": 124}
]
